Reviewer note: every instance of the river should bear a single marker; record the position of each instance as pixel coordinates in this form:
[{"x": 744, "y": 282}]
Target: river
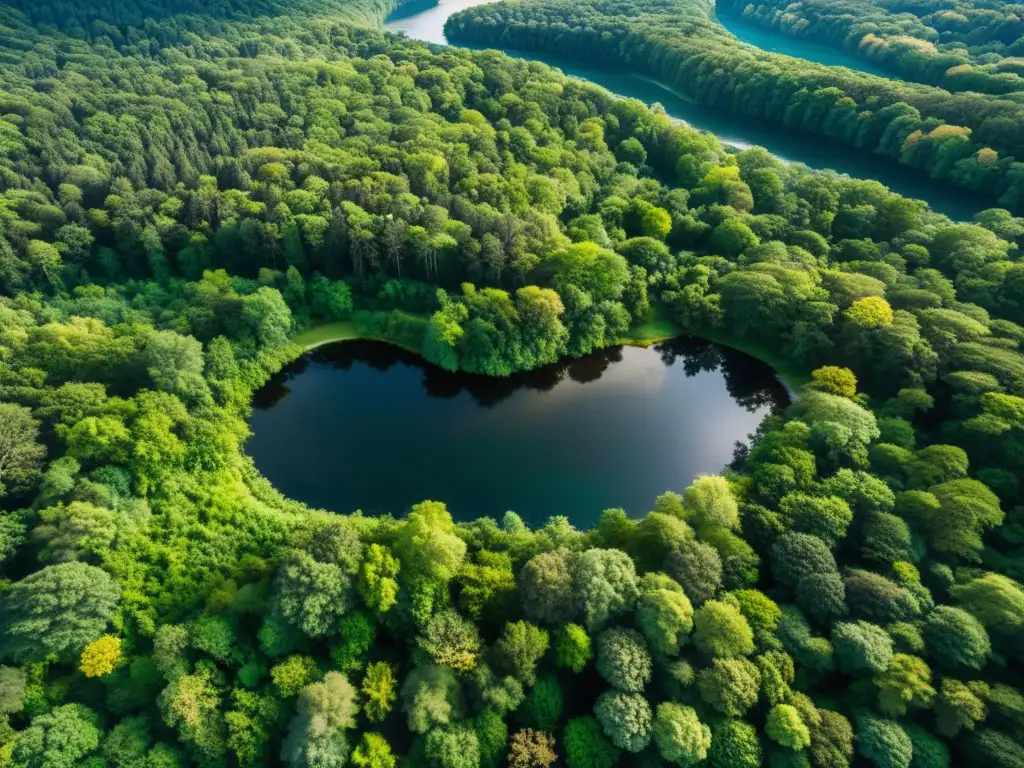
[
  {"x": 425, "y": 21},
  {"x": 365, "y": 425}
]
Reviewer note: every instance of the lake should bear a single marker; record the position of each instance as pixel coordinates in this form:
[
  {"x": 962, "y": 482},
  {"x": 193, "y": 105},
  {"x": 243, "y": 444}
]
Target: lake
[
  {"x": 424, "y": 20},
  {"x": 366, "y": 425}
]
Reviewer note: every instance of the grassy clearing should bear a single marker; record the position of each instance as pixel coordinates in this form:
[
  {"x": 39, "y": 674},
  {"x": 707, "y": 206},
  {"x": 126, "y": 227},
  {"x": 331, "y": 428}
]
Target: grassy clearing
[
  {"x": 318, "y": 335},
  {"x": 792, "y": 375},
  {"x": 658, "y": 328}
]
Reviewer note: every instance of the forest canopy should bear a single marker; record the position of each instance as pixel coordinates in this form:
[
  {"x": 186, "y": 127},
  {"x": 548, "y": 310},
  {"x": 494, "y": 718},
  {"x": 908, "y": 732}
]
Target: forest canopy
[
  {"x": 961, "y": 133},
  {"x": 183, "y": 188}
]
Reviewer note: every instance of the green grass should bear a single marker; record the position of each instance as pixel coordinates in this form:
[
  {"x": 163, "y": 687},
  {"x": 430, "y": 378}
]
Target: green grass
[
  {"x": 318, "y": 335},
  {"x": 658, "y": 328},
  {"x": 792, "y": 375}
]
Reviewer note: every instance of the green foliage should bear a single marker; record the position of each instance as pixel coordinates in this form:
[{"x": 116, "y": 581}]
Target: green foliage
[
  {"x": 545, "y": 703},
  {"x": 623, "y": 659},
  {"x": 373, "y": 752},
  {"x": 586, "y": 746},
  {"x": 730, "y": 685},
  {"x": 665, "y": 618},
  {"x": 572, "y": 647},
  {"x": 785, "y": 726},
  {"x": 64, "y": 736},
  {"x": 734, "y": 744},
  {"x": 955, "y": 638},
  {"x": 883, "y": 742},
  {"x": 185, "y": 186},
  {"x": 56, "y": 610},
  {"x": 721, "y": 631},
  {"x": 378, "y": 689},
  {"x": 431, "y": 697},
  {"x": 520, "y": 648},
  {"x": 604, "y": 585},
  {"x": 625, "y": 719}
]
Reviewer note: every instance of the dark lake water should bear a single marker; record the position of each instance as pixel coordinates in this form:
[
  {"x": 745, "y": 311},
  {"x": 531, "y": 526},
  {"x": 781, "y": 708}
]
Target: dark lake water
[
  {"x": 424, "y": 20},
  {"x": 365, "y": 425}
]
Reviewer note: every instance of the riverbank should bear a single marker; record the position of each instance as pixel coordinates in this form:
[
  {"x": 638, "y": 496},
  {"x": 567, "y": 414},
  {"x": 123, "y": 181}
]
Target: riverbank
[{"x": 654, "y": 330}]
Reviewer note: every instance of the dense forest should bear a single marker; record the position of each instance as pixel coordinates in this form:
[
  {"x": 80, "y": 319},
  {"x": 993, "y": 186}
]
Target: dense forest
[
  {"x": 178, "y": 198},
  {"x": 966, "y": 45},
  {"x": 967, "y": 138}
]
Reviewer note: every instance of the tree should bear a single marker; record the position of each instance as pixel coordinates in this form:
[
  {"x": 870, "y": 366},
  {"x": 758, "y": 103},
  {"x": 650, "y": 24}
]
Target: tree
[
  {"x": 312, "y": 595},
  {"x": 101, "y": 656},
  {"x": 572, "y": 647},
  {"x": 832, "y": 741},
  {"x": 875, "y": 598},
  {"x": 959, "y": 706},
  {"x": 625, "y": 719},
  {"x": 905, "y": 683},
  {"x": 21, "y": 454},
  {"x": 531, "y": 749},
  {"x": 431, "y": 697},
  {"x": 883, "y": 742},
  {"x": 456, "y": 746},
  {"x": 63, "y": 737},
  {"x": 293, "y": 674},
  {"x": 834, "y": 381},
  {"x": 586, "y": 746},
  {"x": 734, "y": 744},
  {"x": 721, "y": 631},
  {"x": 861, "y": 647},
  {"x": 378, "y": 688},
  {"x": 373, "y": 751},
  {"x": 786, "y": 727},
  {"x": 545, "y": 583},
  {"x": 58, "y": 610},
  {"x": 492, "y": 738},
  {"x": 623, "y": 660},
  {"x": 729, "y": 685},
  {"x": 996, "y": 601},
  {"x": 598, "y": 271},
  {"x": 521, "y": 647},
  {"x": 356, "y": 633},
  {"x": 316, "y": 734},
  {"x": 733, "y": 237},
  {"x": 604, "y": 585},
  {"x": 795, "y": 555},
  {"x": 12, "y": 690},
  {"x": 665, "y": 618},
  {"x": 681, "y": 737},
  {"x": 955, "y": 638},
  {"x": 191, "y": 704},
  {"x": 698, "y": 569},
  {"x": 545, "y": 703},
  {"x": 427, "y": 545},
  {"x": 826, "y": 517},
  {"x": 452, "y": 640},
  {"x": 709, "y": 503},
  {"x": 377, "y": 583}
]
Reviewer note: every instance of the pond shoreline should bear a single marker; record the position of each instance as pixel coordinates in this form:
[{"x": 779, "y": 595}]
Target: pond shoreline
[{"x": 655, "y": 330}]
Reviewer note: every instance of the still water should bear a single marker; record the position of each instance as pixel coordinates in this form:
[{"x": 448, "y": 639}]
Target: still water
[
  {"x": 424, "y": 20},
  {"x": 365, "y": 425}
]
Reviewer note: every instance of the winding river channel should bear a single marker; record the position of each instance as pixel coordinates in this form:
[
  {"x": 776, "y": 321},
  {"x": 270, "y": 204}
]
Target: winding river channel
[{"x": 425, "y": 21}]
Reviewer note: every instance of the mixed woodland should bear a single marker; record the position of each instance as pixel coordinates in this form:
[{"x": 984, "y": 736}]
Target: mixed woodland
[
  {"x": 184, "y": 186},
  {"x": 957, "y": 130},
  {"x": 965, "y": 45}
]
